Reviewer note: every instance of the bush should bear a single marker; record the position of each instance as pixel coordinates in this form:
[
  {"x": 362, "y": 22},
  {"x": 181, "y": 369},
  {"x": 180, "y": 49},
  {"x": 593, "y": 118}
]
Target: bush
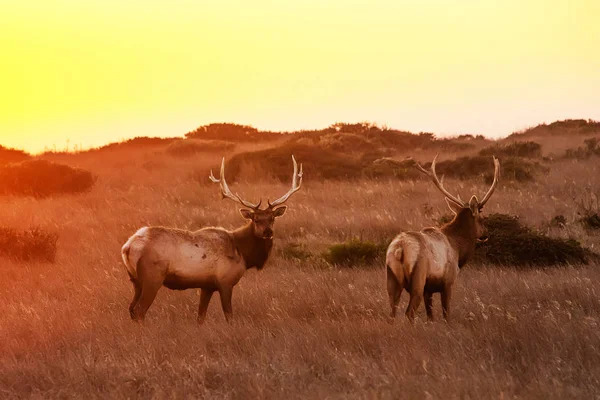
[
  {"x": 190, "y": 147},
  {"x": 592, "y": 147},
  {"x": 139, "y": 142},
  {"x": 231, "y": 132},
  {"x": 511, "y": 168},
  {"x": 387, "y": 167},
  {"x": 527, "y": 149},
  {"x": 8, "y": 156},
  {"x": 277, "y": 162},
  {"x": 566, "y": 127},
  {"x": 33, "y": 244},
  {"x": 513, "y": 244},
  {"x": 41, "y": 178},
  {"x": 354, "y": 252}
]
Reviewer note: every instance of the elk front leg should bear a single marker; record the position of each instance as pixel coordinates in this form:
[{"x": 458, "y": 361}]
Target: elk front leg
[
  {"x": 226, "y": 293},
  {"x": 429, "y": 305},
  {"x": 205, "y": 296},
  {"x": 394, "y": 289},
  {"x": 446, "y": 295}
]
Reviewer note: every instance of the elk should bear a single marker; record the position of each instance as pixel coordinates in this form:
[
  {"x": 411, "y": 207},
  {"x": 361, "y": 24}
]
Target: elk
[
  {"x": 211, "y": 259},
  {"x": 427, "y": 262}
]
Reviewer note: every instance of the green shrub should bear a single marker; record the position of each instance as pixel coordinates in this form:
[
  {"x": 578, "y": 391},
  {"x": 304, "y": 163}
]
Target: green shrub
[
  {"x": 41, "y": 178},
  {"x": 190, "y": 147},
  {"x": 355, "y": 252},
  {"x": 527, "y": 149},
  {"x": 513, "y": 244},
  {"x": 33, "y": 244}
]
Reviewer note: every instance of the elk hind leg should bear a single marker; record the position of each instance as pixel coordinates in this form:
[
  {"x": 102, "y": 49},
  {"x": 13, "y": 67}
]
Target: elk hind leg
[
  {"x": 446, "y": 295},
  {"x": 151, "y": 276},
  {"x": 417, "y": 286},
  {"x": 429, "y": 305},
  {"x": 137, "y": 287},
  {"x": 394, "y": 289}
]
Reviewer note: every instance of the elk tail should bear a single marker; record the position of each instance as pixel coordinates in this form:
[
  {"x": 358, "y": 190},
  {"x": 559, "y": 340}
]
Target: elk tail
[{"x": 127, "y": 261}]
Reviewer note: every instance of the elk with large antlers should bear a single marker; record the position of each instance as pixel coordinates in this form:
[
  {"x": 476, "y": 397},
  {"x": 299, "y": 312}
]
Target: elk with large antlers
[
  {"x": 427, "y": 262},
  {"x": 212, "y": 259}
]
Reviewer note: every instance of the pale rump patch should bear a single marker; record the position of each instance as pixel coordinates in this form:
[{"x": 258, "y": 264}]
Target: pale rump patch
[
  {"x": 402, "y": 255},
  {"x": 132, "y": 250}
]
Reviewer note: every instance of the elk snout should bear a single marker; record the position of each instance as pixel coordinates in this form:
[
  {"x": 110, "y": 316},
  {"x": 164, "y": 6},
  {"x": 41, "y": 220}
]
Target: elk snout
[{"x": 268, "y": 233}]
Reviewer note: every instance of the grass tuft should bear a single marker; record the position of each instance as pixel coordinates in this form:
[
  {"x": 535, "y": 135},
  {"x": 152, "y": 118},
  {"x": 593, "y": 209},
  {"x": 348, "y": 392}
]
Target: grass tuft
[
  {"x": 355, "y": 252},
  {"x": 33, "y": 244}
]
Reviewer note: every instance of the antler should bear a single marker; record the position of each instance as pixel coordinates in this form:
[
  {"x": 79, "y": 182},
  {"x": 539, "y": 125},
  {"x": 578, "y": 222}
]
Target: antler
[
  {"x": 438, "y": 183},
  {"x": 226, "y": 193},
  {"x": 296, "y": 183},
  {"x": 494, "y": 183}
]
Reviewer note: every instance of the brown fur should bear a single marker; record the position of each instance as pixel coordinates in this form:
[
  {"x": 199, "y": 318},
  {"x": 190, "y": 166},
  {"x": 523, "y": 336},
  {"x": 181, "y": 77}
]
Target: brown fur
[
  {"x": 246, "y": 247},
  {"x": 427, "y": 262}
]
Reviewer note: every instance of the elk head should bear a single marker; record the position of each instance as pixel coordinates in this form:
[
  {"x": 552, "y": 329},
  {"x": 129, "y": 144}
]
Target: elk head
[
  {"x": 469, "y": 214},
  {"x": 262, "y": 220}
]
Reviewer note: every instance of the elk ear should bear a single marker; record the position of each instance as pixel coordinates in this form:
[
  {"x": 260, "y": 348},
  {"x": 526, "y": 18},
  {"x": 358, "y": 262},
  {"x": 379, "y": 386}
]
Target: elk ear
[
  {"x": 247, "y": 214},
  {"x": 474, "y": 204},
  {"x": 455, "y": 208},
  {"x": 278, "y": 212}
]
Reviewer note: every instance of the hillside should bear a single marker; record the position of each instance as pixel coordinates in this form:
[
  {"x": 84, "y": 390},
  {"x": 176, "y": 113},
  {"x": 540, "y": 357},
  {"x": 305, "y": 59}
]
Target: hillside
[{"x": 314, "y": 322}]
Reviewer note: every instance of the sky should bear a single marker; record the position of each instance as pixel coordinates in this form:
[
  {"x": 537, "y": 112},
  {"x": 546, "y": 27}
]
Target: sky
[{"x": 86, "y": 73}]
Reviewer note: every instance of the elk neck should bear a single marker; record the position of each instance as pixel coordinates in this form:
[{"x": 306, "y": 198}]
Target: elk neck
[
  {"x": 462, "y": 235},
  {"x": 253, "y": 249}
]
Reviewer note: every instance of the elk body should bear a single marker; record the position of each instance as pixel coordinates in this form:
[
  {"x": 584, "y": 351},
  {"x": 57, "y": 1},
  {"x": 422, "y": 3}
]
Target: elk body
[
  {"x": 427, "y": 262},
  {"x": 212, "y": 259}
]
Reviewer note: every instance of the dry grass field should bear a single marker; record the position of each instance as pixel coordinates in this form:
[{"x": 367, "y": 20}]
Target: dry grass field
[{"x": 302, "y": 328}]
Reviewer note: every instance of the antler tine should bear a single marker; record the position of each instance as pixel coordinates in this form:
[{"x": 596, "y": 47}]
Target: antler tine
[
  {"x": 438, "y": 183},
  {"x": 494, "y": 183},
  {"x": 296, "y": 183},
  {"x": 226, "y": 192}
]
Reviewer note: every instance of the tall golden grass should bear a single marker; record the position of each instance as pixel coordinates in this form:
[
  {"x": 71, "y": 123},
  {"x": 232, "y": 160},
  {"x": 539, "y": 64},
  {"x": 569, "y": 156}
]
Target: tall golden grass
[{"x": 301, "y": 329}]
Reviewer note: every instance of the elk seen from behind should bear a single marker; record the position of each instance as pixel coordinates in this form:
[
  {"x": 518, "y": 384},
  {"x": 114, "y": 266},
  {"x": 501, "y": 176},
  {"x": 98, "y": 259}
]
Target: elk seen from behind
[{"x": 427, "y": 262}]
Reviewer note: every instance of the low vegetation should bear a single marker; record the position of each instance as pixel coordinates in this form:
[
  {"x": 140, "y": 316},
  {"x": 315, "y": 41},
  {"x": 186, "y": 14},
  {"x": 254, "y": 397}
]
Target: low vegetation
[
  {"x": 563, "y": 128},
  {"x": 8, "y": 155},
  {"x": 28, "y": 245},
  {"x": 191, "y": 147},
  {"x": 469, "y": 167},
  {"x": 41, "y": 178},
  {"x": 512, "y": 244},
  {"x": 528, "y": 149},
  {"x": 591, "y": 148},
  {"x": 302, "y": 326},
  {"x": 355, "y": 252}
]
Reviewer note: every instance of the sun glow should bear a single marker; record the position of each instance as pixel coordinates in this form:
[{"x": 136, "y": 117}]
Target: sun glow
[{"x": 94, "y": 72}]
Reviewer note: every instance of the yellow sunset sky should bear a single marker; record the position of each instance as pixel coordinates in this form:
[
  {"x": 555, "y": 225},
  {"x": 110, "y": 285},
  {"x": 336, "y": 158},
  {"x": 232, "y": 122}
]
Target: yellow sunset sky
[{"x": 92, "y": 72}]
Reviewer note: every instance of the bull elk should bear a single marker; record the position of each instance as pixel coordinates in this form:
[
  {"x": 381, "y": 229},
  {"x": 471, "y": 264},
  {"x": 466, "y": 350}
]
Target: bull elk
[
  {"x": 427, "y": 262},
  {"x": 212, "y": 259}
]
